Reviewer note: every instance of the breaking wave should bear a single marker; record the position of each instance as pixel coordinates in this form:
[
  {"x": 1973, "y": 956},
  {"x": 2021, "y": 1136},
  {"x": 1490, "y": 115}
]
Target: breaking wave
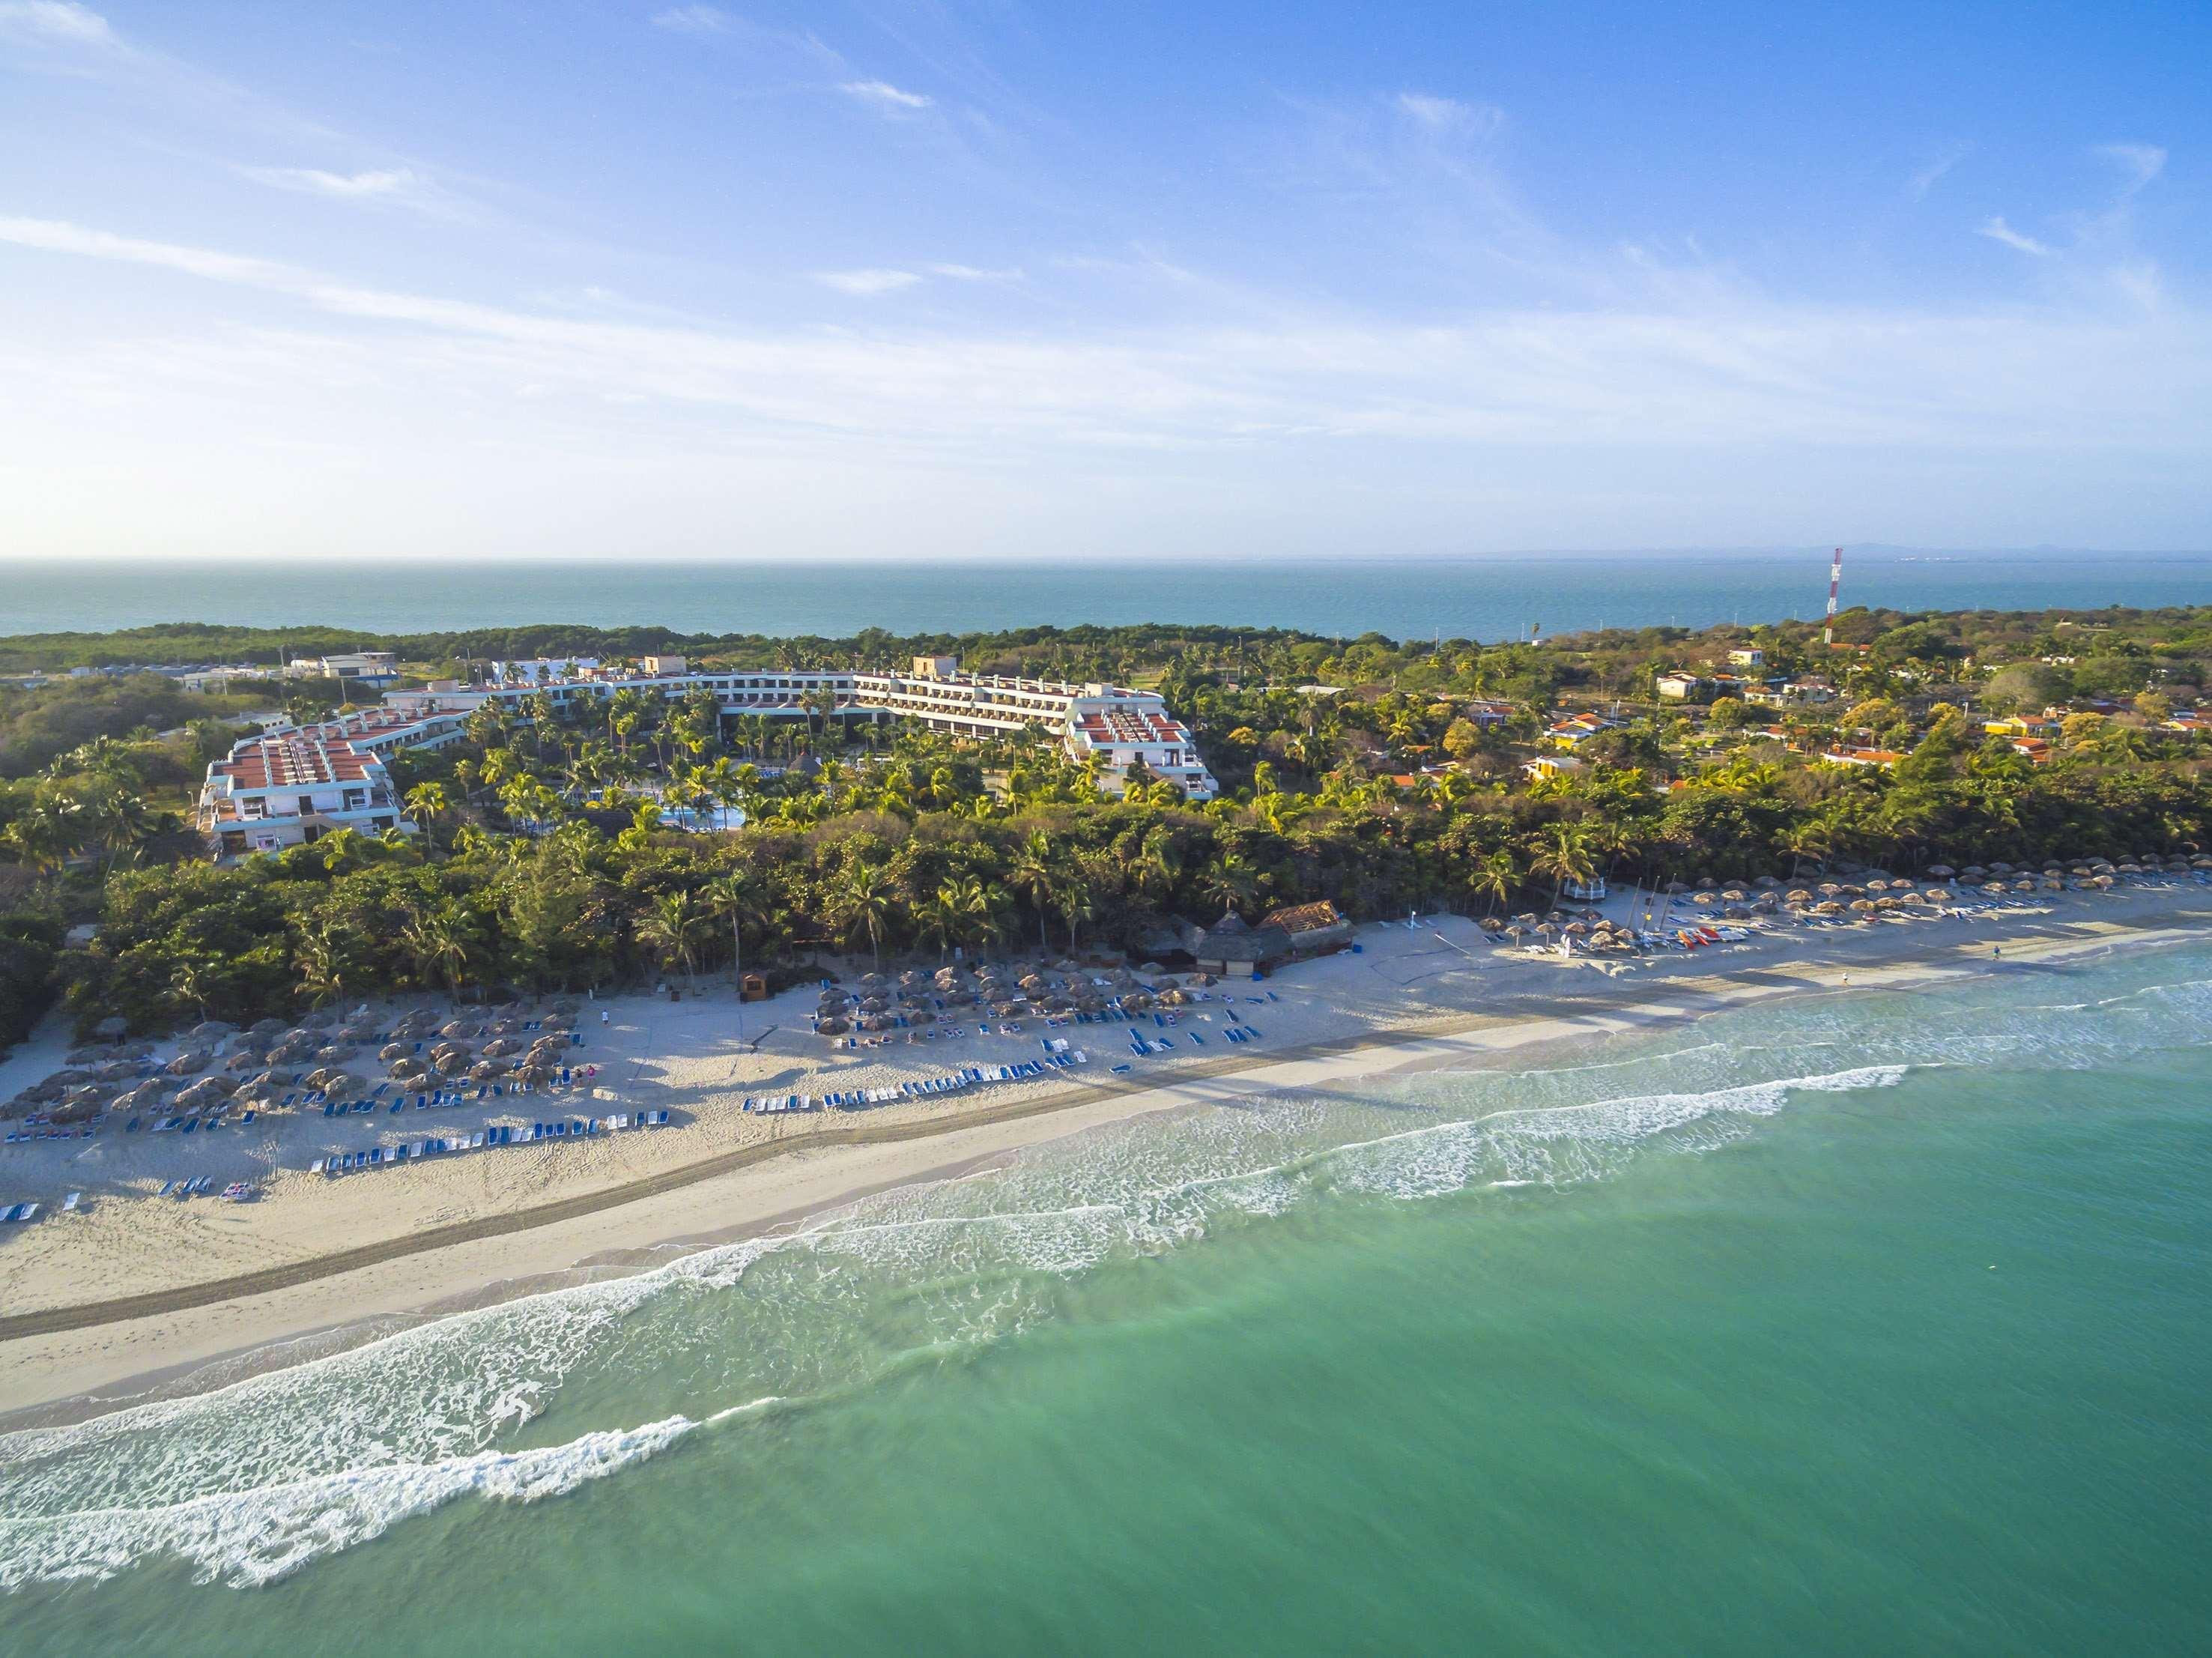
[{"x": 538, "y": 1397}]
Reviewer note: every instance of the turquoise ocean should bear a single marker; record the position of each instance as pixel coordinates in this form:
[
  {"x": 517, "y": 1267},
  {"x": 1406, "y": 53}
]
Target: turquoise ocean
[
  {"x": 1489, "y": 599},
  {"x": 1866, "y": 1324}
]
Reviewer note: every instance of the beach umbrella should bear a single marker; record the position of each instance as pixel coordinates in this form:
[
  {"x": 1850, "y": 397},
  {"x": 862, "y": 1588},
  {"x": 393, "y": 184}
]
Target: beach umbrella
[
  {"x": 1707, "y": 882},
  {"x": 922, "y": 1016},
  {"x": 1733, "y": 895},
  {"x": 500, "y": 1046},
  {"x": 486, "y": 1070},
  {"x": 1575, "y": 930},
  {"x": 1999, "y": 867},
  {"x": 185, "y": 1064},
  {"x": 451, "y": 1061},
  {"x": 1734, "y": 912},
  {"x": 1548, "y": 929},
  {"x": 1702, "y": 898},
  {"x": 1798, "y": 895},
  {"x": 1765, "y": 880},
  {"x": 210, "y": 1030},
  {"x": 1975, "y": 869},
  {"x": 1862, "y": 906},
  {"x": 2052, "y": 884},
  {"x": 1516, "y": 932},
  {"x": 336, "y": 1053},
  {"x": 392, "y": 1051},
  {"x": 1885, "y": 904},
  {"x": 1675, "y": 887},
  {"x": 242, "y": 1062},
  {"x": 1940, "y": 869},
  {"x": 1828, "y": 907}
]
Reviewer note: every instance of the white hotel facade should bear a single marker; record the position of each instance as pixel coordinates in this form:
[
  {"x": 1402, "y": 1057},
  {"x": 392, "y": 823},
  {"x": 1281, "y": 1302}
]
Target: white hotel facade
[{"x": 267, "y": 794}]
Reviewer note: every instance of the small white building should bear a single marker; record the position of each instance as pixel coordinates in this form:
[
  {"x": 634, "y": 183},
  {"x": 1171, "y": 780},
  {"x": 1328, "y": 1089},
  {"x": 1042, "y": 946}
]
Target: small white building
[{"x": 366, "y": 670}]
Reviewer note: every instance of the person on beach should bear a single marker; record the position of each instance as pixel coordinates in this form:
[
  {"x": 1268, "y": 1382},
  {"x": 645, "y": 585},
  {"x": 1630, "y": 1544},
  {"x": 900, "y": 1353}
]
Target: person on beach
[{"x": 603, "y": 1016}]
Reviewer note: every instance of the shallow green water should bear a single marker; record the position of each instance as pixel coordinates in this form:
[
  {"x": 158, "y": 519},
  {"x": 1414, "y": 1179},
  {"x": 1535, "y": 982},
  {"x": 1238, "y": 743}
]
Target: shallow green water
[{"x": 1866, "y": 1325}]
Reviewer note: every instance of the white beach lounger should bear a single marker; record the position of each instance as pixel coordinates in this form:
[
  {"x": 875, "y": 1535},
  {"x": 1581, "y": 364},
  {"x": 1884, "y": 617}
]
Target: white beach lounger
[{"x": 70, "y": 1202}]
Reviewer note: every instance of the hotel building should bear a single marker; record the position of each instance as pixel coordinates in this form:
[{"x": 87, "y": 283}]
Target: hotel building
[
  {"x": 246, "y": 805},
  {"x": 296, "y": 783},
  {"x": 1120, "y": 726}
]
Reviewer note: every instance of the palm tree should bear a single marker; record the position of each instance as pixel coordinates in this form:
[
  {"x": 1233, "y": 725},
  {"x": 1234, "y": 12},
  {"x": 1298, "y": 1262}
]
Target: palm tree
[
  {"x": 865, "y": 904},
  {"x": 43, "y": 836},
  {"x": 732, "y": 896},
  {"x": 671, "y": 927},
  {"x": 1075, "y": 907},
  {"x": 427, "y": 803},
  {"x": 1035, "y": 877},
  {"x": 1808, "y": 839},
  {"x": 1564, "y": 854},
  {"x": 1498, "y": 875},
  {"x": 324, "y": 961},
  {"x": 941, "y": 917},
  {"x": 439, "y": 943},
  {"x": 1232, "y": 880},
  {"x": 193, "y": 980}
]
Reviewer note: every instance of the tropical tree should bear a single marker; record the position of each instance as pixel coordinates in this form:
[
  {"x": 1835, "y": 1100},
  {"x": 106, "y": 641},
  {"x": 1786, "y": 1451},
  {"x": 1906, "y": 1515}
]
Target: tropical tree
[
  {"x": 427, "y": 803},
  {"x": 1562, "y": 853},
  {"x": 865, "y": 902},
  {"x": 441, "y": 943},
  {"x": 1498, "y": 875},
  {"x": 671, "y": 928}
]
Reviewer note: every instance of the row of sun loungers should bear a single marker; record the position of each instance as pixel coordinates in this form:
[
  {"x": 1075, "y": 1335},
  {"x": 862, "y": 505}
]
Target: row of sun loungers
[
  {"x": 19, "y": 1212},
  {"x": 924, "y": 1089},
  {"x": 500, "y": 1134}
]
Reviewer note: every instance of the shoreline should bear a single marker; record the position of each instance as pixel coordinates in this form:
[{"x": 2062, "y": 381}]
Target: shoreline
[{"x": 76, "y": 1360}]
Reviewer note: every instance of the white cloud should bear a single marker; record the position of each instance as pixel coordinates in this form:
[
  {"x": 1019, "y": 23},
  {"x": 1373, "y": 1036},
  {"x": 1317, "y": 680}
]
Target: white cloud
[
  {"x": 1752, "y": 377},
  {"x": 394, "y": 181},
  {"x": 1450, "y": 115},
  {"x": 2140, "y": 162},
  {"x": 55, "y": 21},
  {"x": 866, "y": 285},
  {"x": 1997, "y": 230},
  {"x": 1925, "y": 179},
  {"x": 882, "y": 95},
  {"x": 975, "y": 273},
  {"x": 693, "y": 20}
]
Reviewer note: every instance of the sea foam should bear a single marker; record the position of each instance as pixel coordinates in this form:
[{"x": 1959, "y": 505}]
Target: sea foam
[{"x": 262, "y": 1476}]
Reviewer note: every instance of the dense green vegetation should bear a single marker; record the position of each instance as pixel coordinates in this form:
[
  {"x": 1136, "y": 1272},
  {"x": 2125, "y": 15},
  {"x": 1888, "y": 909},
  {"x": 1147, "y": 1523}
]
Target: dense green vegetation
[{"x": 556, "y": 851}]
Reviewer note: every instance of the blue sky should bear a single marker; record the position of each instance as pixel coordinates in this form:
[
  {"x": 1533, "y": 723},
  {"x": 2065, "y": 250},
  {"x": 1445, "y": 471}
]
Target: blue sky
[{"x": 1213, "y": 280}]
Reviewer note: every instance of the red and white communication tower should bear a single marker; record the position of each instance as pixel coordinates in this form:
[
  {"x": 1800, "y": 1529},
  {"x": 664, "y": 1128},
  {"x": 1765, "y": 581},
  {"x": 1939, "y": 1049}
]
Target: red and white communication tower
[{"x": 1835, "y": 581}]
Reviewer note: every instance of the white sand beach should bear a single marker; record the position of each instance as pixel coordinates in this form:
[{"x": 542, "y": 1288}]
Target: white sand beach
[{"x": 450, "y": 1230}]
